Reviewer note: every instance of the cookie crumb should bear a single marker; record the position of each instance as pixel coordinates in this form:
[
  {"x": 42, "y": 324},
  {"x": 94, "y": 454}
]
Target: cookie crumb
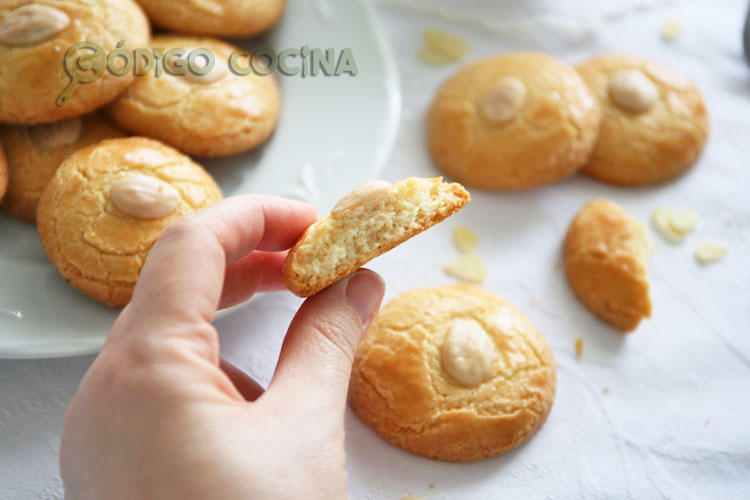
[
  {"x": 710, "y": 251},
  {"x": 607, "y": 388},
  {"x": 671, "y": 30},
  {"x": 432, "y": 486},
  {"x": 468, "y": 267},
  {"x": 579, "y": 347},
  {"x": 465, "y": 239},
  {"x": 708, "y": 421},
  {"x": 441, "y": 47}
]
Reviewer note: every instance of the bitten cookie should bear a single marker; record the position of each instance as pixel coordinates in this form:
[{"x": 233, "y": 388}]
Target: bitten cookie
[
  {"x": 512, "y": 121},
  {"x": 34, "y": 153},
  {"x": 654, "y": 122},
  {"x": 219, "y": 113},
  {"x": 224, "y": 18},
  {"x": 372, "y": 219},
  {"x": 34, "y": 38},
  {"x": 3, "y": 173},
  {"x": 106, "y": 205},
  {"x": 606, "y": 254},
  {"x": 453, "y": 373}
]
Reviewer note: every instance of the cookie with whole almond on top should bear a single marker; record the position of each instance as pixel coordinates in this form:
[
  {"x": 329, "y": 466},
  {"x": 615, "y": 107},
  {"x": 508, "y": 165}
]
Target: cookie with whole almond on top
[
  {"x": 213, "y": 114},
  {"x": 453, "y": 373},
  {"x": 654, "y": 120},
  {"x": 107, "y": 204},
  {"x": 34, "y": 39},
  {"x": 34, "y": 153},
  {"x": 512, "y": 121},
  {"x": 370, "y": 220}
]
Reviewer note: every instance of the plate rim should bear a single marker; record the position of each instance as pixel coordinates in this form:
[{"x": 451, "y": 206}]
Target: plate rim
[{"x": 54, "y": 348}]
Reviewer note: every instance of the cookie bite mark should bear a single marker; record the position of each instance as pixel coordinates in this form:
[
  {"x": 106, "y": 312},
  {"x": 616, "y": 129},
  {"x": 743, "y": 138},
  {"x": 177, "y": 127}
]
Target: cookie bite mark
[
  {"x": 606, "y": 255},
  {"x": 372, "y": 219}
]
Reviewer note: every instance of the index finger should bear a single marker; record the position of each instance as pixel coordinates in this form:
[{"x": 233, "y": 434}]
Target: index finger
[{"x": 183, "y": 275}]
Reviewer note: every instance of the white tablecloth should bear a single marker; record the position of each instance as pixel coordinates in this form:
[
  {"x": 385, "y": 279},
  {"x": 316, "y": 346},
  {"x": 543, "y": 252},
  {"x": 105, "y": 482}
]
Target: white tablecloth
[{"x": 674, "y": 423}]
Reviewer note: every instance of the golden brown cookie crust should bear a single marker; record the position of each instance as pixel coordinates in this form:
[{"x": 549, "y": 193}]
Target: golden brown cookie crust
[
  {"x": 3, "y": 173},
  {"x": 33, "y": 157},
  {"x": 400, "y": 389},
  {"x": 637, "y": 149},
  {"x": 550, "y": 137},
  {"x": 233, "y": 18},
  {"x": 412, "y": 206},
  {"x": 228, "y": 116},
  {"x": 606, "y": 255},
  {"x": 33, "y": 73},
  {"x": 95, "y": 246}
]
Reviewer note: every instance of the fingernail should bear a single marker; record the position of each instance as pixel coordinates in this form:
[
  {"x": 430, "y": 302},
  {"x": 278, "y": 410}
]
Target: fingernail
[{"x": 365, "y": 292}]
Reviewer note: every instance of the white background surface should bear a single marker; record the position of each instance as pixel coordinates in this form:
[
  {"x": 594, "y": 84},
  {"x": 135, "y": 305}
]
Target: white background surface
[{"x": 675, "y": 423}]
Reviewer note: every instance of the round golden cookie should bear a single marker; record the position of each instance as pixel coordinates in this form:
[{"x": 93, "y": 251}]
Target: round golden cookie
[
  {"x": 654, "y": 120},
  {"x": 453, "y": 373},
  {"x": 34, "y": 38},
  {"x": 224, "y": 18},
  {"x": 3, "y": 173},
  {"x": 219, "y": 114},
  {"x": 34, "y": 152},
  {"x": 106, "y": 205},
  {"x": 512, "y": 121},
  {"x": 606, "y": 254}
]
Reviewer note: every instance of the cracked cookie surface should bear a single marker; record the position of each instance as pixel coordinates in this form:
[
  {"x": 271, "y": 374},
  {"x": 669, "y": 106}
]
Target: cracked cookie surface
[
  {"x": 224, "y": 18},
  {"x": 637, "y": 148},
  {"x": 97, "y": 247},
  {"x": 34, "y": 153},
  {"x": 400, "y": 388},
  {"x": 222, "y": 116},
  {"x": 512, "y": 121},
  {"x": 32, "y": 71}
]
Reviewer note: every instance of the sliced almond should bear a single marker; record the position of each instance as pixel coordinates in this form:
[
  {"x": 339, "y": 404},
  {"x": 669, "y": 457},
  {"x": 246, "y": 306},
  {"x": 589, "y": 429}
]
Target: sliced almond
[
  {"x": 468, "y": 267},
  {"x": 465, "y": 239}
]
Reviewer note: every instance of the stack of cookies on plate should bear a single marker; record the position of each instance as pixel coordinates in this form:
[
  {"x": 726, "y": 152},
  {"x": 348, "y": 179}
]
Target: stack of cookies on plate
[{"x": 100, "y": 164}]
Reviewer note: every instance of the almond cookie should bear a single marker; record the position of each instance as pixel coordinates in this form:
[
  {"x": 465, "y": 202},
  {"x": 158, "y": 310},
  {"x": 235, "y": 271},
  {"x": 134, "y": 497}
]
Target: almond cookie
[
  {"x": 107, "y": 203},
  {"x": 3, "y": 173},
  {"x": 453, "y": 373},
  {"x": 223, "y": 18},
  {"x": 606, "y": 254},
  {"x": 512, "y": 121},
  {"x": 372, "y": 219},
  {"x": 34, "y": 39},
  {"x": 654, "y": 120},
  {"x": 216, "y": 114},
  {"x": 34, "y": 153}
]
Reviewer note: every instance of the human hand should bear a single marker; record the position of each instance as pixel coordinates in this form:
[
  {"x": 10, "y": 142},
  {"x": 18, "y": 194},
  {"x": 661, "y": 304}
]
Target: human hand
[{"x": 160, "y": 416}]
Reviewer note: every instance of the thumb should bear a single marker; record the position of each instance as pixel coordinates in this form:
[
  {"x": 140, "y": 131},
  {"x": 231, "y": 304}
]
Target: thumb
[{"x": 318, "y": 351}]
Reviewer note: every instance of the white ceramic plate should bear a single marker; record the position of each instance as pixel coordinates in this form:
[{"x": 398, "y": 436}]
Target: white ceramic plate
[{"x": 334, "y": 133}]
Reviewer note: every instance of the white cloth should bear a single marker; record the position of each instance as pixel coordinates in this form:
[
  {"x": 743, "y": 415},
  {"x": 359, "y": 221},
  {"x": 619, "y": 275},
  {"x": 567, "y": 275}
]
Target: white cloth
[{"x": 674, "y": 424}]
